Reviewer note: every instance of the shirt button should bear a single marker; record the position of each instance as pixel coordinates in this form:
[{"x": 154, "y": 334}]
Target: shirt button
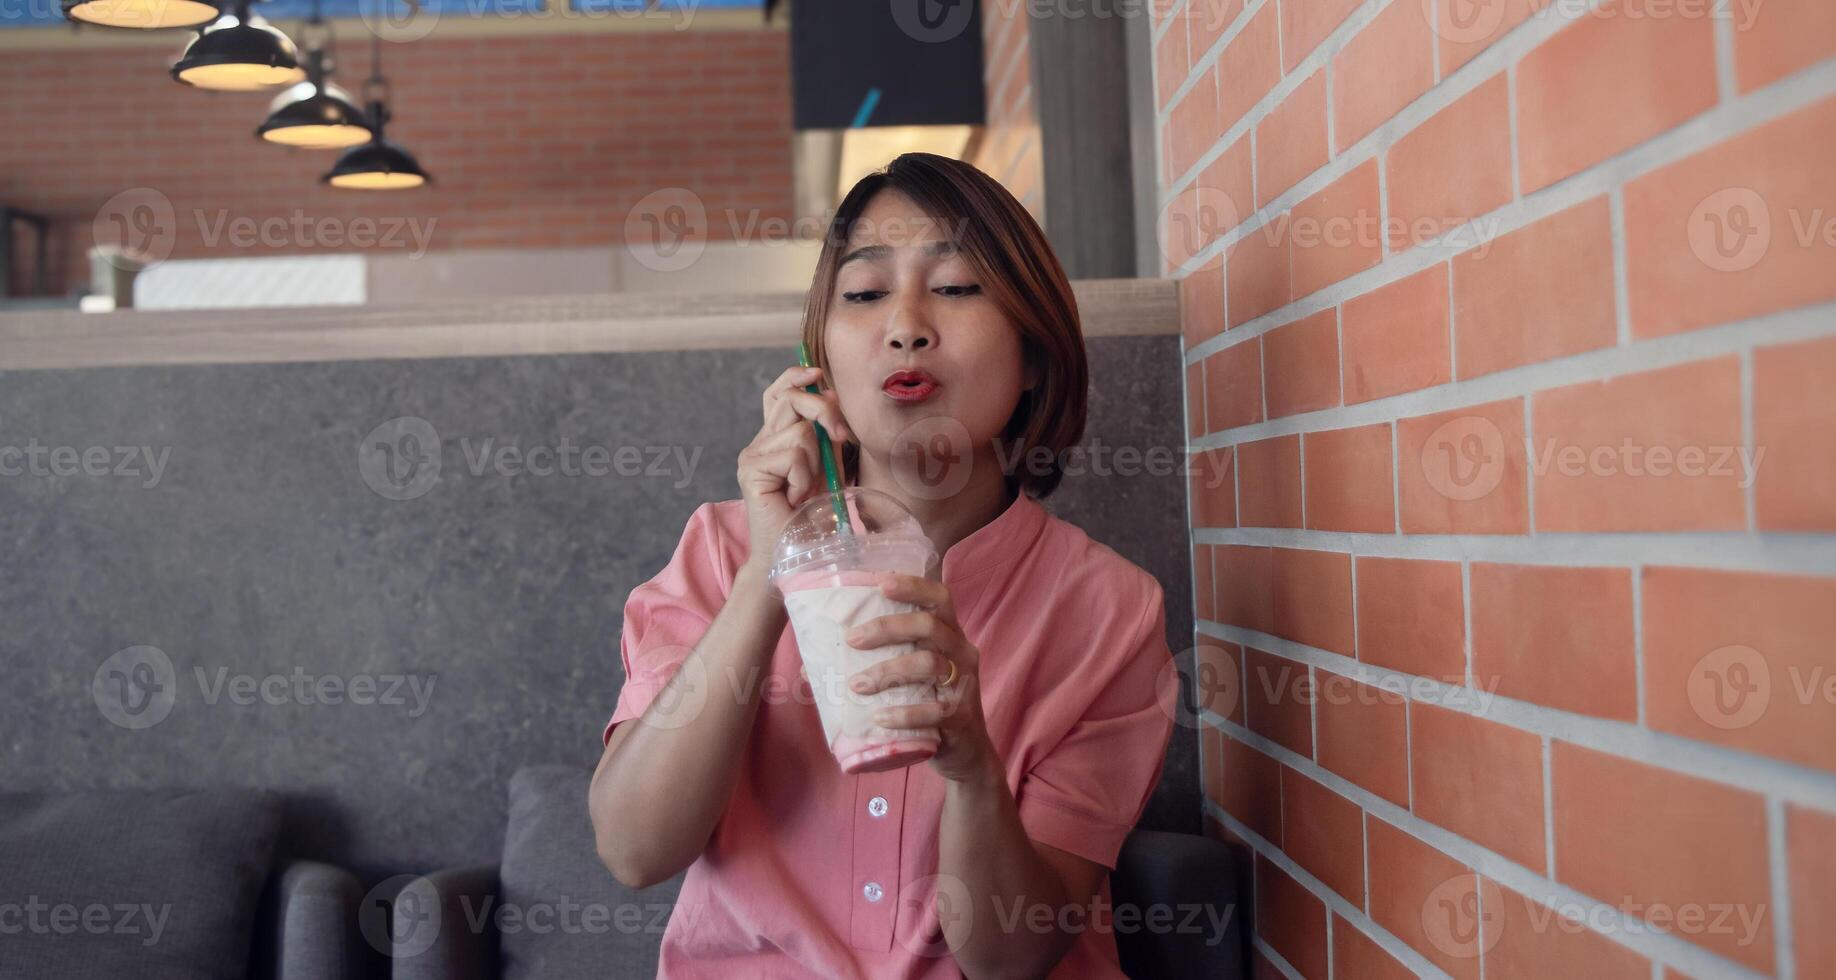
[
  {"x": 873, "y": 891},
  {"x": 877, "y": 806}
]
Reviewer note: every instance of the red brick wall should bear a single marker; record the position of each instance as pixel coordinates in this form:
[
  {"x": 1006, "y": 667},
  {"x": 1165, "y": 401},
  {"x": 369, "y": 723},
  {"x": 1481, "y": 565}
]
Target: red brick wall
[
  {"x": 1010, "y": 149},
  {"x": 532, "y": 140},
  {"x": 1508, "y": 664}
]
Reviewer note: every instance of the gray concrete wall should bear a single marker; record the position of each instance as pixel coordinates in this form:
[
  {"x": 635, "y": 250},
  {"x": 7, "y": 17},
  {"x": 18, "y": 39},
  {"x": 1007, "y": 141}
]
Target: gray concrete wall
[{"x": 258, "y": 548}]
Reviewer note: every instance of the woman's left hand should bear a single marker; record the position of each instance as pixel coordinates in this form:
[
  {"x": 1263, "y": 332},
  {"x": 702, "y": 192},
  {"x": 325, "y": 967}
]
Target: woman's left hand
[{"x": 966, "y": 751}]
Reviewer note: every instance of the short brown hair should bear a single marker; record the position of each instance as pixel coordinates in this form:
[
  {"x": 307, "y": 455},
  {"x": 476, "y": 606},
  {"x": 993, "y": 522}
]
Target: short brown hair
[{"x": 1018, "y": 270}]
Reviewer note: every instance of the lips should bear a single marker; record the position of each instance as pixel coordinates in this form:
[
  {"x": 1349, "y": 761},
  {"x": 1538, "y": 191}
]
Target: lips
[{"x": 909, "y": 386}]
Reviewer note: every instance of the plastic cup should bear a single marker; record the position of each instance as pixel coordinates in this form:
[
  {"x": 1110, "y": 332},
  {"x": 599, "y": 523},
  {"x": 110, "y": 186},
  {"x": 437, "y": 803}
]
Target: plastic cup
[{"x": 829, "y": 576}]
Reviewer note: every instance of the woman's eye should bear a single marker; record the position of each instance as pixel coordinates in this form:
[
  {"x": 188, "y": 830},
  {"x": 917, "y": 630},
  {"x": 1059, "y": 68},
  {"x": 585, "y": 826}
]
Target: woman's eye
[{"x": 869, "y": 295}]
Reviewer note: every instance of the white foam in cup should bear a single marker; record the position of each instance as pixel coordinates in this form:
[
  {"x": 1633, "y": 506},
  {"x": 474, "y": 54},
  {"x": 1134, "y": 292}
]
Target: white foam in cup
[{"x": 830, "y": 581}]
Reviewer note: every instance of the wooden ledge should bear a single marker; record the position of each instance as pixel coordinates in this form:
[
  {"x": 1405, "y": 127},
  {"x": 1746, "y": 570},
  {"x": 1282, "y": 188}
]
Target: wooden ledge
[{"x": 489, "y": 328}]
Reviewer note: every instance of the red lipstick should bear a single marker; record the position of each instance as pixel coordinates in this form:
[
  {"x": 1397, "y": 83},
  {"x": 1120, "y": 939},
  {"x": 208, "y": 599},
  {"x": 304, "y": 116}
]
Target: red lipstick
[{"x": 909, "y": 385}]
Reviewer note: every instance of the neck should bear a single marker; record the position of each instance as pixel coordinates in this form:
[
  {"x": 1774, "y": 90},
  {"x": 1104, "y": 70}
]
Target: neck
[{"x": 946, "y": 520}]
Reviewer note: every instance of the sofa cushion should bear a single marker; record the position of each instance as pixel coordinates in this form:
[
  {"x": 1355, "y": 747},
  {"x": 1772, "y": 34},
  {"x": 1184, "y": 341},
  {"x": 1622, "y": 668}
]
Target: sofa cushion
[
  {"x": 145, "y": 884},
  {"x": 563, "y": 916}
]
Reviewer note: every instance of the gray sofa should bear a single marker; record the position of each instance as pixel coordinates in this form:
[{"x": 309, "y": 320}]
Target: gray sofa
[
  {"x": 166, "y": 883},
  {"x": 549, "y": 909}
]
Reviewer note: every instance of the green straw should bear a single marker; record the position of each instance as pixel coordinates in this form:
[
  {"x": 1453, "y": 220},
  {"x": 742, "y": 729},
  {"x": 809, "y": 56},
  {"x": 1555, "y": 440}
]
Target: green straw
[{"x": 828, "y": 453}]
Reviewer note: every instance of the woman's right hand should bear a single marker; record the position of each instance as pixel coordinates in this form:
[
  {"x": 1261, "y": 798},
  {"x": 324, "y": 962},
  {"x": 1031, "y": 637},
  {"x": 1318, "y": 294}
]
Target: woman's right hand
[{"x": 782, "y": 467}]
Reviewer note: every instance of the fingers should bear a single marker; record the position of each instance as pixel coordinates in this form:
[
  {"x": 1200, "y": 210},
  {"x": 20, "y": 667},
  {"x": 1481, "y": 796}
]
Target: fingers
[
  {"x": 919, "y": 591},
  {"x": 824, "y": 408},
  {"x": 785, "y": 402},
  {"x": 924, "y": 714},
  {"x": 923, "y": 627},
  {"x": 792, "y": 467},
  {"x": 909, "y": 668},
  {"x": 791, "y": 379}
]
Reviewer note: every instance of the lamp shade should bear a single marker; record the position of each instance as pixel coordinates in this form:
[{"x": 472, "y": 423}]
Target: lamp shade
[
  {"x": 239, "y": 54},
  {"x": 146, "y": 15},
  {"x": 314, "y": 116},
  {"x": 378, "y": 165}
]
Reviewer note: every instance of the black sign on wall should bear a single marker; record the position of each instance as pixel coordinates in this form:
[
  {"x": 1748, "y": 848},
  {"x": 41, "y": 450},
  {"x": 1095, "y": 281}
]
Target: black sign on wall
[{"x": 886, "y": 63}]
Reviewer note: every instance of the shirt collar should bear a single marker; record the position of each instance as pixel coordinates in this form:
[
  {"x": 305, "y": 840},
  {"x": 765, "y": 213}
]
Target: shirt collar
[{"x": 1002, "y": 540}]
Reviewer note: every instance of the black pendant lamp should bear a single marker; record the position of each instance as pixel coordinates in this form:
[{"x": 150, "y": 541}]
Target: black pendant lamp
[
  {"x": 315, "y": 114},
  {"x": 239, "y": 53},
  {"x": 146, "y": 15},
  {"x": 378, "y": 165}
]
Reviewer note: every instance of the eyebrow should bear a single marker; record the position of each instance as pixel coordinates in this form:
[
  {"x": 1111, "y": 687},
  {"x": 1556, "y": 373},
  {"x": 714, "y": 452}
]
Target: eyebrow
[{"x": 867, "y": 253}]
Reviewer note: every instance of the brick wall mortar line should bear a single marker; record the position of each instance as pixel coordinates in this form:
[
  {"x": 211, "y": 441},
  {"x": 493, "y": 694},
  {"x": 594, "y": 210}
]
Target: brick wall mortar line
[
  {"x": 1733, "y": 551},
  {"x": 1778, "y": 873},
  {"x": 1756, "y": 774},
  {"x": 1671, "y": 950},
  {"x": 1735, "y": 338}
]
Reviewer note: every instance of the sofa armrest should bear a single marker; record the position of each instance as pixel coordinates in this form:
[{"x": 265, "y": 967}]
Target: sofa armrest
[
  {"x": 465, "y": 944},
  {"x": 1195, "y": 880},
  {"x": 307, "y": 925}
]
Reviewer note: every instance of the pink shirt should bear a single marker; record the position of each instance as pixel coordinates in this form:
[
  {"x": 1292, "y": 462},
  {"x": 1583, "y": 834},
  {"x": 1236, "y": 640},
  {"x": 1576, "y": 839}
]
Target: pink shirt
[{"x": 811, "y": 872}]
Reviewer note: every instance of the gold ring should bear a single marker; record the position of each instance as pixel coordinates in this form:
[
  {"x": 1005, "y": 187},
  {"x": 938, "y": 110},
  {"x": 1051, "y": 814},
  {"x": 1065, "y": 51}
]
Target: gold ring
[{"x": 950, "y": 679}]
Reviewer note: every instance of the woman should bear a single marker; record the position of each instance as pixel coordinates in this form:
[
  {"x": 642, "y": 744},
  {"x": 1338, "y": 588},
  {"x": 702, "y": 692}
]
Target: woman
[{"x": 947, "y": 340}]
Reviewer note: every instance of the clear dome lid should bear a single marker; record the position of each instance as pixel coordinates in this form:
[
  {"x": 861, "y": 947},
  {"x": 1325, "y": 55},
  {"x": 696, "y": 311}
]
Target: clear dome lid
[{"x": 881, "y": 534}]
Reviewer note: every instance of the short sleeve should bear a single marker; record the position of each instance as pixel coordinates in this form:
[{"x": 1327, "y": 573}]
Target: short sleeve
[
  {"x": 1090, "y": 790},
  {"x": 666, "y": 616}
]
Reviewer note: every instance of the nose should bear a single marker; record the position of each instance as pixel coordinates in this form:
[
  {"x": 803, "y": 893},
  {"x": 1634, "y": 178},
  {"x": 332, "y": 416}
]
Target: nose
[{"x": 909, "y": 329}]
